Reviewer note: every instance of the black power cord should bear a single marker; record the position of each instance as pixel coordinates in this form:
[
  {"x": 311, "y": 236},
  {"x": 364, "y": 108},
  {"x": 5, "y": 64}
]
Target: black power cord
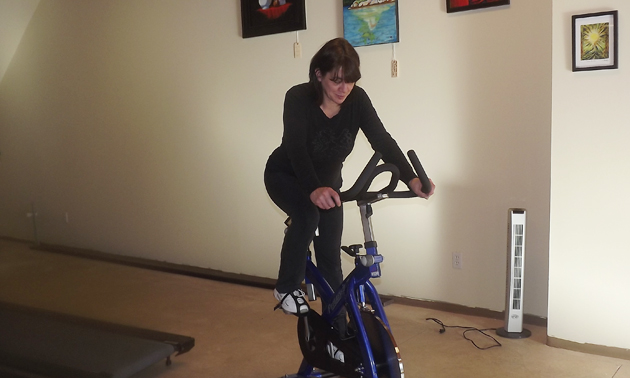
[{"x": 469, "y": 329}]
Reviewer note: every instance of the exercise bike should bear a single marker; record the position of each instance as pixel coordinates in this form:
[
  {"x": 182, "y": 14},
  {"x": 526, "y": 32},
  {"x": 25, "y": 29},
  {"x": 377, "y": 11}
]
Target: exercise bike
[{"x": 370, "y": 350}]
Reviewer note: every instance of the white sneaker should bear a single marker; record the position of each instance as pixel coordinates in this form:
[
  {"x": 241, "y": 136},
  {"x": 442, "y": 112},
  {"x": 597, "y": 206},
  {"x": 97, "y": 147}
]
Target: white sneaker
[
  {"x": 334, "y": 352},
  {"x": 291, "y": 303}
]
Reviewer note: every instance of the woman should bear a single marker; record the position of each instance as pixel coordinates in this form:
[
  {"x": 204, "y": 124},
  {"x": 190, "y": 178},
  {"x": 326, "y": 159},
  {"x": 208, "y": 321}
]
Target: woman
[{"x": 303, "y": 175}]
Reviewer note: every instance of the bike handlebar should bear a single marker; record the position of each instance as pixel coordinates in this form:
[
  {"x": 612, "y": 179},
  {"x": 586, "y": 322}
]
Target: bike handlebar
[
  {"x": 422, "y": 175},
  {"x": 359, "y": 191}
]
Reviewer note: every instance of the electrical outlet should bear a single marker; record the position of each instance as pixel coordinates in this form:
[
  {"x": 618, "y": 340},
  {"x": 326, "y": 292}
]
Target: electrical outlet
[{"x": 457, "y": 260}]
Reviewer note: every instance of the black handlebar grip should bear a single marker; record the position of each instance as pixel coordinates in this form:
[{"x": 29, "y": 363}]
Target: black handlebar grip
[{"x": 422, "y": 175}]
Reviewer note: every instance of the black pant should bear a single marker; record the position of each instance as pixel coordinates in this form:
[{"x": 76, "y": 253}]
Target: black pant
[{"x": 287, "y": 194}]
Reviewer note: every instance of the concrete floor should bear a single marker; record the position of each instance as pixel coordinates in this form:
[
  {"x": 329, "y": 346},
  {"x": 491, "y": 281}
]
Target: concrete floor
[{"x": 239, "y": 335}]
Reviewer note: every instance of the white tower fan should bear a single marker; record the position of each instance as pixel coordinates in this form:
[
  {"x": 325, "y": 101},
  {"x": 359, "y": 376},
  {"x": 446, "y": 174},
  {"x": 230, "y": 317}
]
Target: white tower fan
[{"x": 515, "y": 277}]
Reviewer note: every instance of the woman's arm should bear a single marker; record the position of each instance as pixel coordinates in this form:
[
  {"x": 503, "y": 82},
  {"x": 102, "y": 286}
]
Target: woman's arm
[{"x": 380, "y": 139}]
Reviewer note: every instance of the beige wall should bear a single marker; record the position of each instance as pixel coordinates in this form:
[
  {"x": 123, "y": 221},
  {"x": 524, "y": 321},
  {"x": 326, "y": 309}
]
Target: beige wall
[
  {"x": 149, "y": 124},
  {"x": 589, "y": 280}
]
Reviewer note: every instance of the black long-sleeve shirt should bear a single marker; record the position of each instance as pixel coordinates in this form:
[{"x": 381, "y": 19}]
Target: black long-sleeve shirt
[{"x": 314, "y": 146}]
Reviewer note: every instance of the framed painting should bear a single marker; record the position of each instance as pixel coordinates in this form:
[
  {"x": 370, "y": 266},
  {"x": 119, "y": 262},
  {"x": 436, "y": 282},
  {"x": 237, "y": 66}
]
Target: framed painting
[
  {"x": 370, "y": 22},
  {"x": 263, "y": 17},
  {"x": 594, "y": 42},
  {"x": 464, "y": 5}
]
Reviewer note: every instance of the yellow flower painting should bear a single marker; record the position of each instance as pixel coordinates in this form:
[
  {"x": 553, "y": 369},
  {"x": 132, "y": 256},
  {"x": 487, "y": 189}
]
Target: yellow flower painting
[{"x": 595, "y": 41}]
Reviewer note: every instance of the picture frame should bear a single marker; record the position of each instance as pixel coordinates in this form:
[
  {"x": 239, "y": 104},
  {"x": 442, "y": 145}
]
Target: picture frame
[
  {"x": 264, "y": 17},
  {"x": 466, "y": 5},
  {"x": 370, "y": 22},
  {"x": 595, "y": 44}
]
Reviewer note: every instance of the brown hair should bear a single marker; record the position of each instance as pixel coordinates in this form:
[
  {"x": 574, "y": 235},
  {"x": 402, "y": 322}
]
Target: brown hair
[{"x": 335, "y": 54}]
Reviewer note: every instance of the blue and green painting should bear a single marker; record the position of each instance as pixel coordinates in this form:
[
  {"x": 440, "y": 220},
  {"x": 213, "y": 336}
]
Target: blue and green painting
[{"x": 370, "y": 22}]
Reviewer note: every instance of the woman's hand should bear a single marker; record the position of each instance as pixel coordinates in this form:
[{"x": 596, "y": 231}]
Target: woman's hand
[
  {"x": 325, "y": 198},
  {"x": 416, "y": 186}
]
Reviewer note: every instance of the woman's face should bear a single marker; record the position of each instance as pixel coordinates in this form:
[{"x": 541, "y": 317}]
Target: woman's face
[{"x": 334, "y": 87}]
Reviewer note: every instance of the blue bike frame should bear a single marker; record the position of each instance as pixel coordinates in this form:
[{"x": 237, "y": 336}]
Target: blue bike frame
[{"x": 354, "y": 290}]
